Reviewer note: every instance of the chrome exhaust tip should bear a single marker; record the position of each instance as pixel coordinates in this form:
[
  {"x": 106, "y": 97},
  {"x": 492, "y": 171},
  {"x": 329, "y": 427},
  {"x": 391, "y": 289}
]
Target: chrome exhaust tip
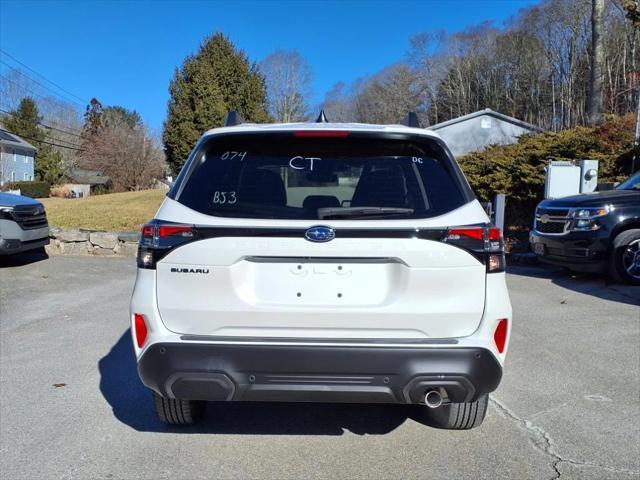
[{"x": 433, "y": 399}]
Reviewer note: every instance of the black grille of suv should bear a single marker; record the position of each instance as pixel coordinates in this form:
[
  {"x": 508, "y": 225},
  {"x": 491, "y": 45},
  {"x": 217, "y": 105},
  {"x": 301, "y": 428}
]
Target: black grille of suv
[
  {"x": 550, "y": 227},
  {"x": 551, "y": 220},
  {"x": 30, "y": 217}
]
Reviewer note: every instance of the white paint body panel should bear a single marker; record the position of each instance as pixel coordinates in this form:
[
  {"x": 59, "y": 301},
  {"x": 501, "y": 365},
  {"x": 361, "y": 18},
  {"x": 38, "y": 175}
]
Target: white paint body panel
[
  {"x": 390, "y": 289},
  {"x": 402, "y": 289}
]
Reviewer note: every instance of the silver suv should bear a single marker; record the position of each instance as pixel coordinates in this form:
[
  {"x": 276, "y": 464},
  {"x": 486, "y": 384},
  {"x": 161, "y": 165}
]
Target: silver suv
[{"x": 23, "y": 224}]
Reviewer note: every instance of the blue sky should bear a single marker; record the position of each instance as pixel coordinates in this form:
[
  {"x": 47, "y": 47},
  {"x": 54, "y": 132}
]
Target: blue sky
[{"x": 125, "y": 52}]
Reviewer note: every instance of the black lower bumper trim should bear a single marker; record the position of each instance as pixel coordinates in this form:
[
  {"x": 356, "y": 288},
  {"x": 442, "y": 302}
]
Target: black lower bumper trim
[
  {"x": 314, "y": 373},
  {"x": 8, "y": 246}
]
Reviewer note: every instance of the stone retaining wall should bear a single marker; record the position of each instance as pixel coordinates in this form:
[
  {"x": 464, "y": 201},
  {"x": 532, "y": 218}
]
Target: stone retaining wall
[{"x": 86, "y": 242}]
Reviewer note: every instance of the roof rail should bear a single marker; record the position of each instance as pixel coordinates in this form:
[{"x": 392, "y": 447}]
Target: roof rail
[
  {"x": 322, "y": 118},
  {"x": 232, "y": 119},
  {"x": 411, "y": 120}
]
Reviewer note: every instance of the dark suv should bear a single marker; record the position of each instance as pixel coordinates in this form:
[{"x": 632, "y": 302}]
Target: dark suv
[{"x": 595, "y": 232}]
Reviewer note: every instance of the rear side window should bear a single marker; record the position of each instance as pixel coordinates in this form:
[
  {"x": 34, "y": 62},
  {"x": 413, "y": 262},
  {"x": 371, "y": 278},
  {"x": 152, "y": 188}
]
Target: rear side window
[{"x": 286, "y": 177}]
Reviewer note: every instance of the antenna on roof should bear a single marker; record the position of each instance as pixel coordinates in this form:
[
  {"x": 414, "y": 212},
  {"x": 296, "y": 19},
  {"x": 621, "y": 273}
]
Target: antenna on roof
[
  {"x": 322, "y": 118},
  {"x": 411, "y": 120},
  {"x": 232, "y": 119}
]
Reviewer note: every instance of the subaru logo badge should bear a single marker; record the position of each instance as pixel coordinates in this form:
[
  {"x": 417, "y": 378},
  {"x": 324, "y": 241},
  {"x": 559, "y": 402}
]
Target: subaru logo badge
[{"x": 320, "y": 234}]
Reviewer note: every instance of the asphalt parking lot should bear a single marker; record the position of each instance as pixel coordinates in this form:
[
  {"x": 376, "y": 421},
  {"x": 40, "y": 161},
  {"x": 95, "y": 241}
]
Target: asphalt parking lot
[{"x": 71, "y": 405}]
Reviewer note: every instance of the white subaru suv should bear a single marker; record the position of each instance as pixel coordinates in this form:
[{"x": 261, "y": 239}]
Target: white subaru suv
[{"x": 321, "y": 262}]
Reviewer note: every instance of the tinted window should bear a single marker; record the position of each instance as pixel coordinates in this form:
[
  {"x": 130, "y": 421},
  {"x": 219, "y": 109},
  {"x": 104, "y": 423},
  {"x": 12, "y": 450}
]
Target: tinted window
[
  {"x": 631, "y": 183},
  {"x": 292, "y": 178}
]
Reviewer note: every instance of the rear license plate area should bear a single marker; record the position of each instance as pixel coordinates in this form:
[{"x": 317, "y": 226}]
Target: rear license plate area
[{"x": 322, "y": 283}]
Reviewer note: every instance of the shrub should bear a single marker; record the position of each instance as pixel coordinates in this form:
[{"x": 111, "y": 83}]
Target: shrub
[
  {"x": 36, "y": 189},
  {"x": 518, "y": 170},
  {"x": 60, "y": 191}
]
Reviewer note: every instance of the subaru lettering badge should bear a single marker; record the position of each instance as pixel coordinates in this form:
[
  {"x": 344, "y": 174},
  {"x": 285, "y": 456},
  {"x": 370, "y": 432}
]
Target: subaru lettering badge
[{"x": 320, "y": 234}]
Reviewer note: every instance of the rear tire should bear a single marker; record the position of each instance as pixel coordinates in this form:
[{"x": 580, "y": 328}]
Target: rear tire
[
  {"x": 455, "y": 416},
  {"x": 626, "y": 250},
  {"x": 176, "y": 411}
]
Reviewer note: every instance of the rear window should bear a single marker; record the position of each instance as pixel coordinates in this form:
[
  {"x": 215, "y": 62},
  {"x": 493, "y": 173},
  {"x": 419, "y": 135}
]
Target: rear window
[{"x": 286, "y": 177}]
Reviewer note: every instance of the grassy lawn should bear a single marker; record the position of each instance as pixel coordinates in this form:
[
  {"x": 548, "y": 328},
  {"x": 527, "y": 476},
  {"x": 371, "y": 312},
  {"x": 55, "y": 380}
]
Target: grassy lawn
[{"x": 126, "y": 211}]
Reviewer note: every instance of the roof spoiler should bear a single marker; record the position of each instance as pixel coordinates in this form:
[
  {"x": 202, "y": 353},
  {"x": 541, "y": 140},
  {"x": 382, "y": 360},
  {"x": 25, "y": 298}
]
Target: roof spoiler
[
  {"x": 411, "y": 120},
  {"x": 232, "y": 119}
]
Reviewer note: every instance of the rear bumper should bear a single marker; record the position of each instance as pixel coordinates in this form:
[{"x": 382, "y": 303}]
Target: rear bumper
[{"x": 375, "y": 374}]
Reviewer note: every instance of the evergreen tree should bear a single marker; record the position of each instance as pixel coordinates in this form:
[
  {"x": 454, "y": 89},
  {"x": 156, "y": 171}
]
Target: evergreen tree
[
  {"x": 116, "y": 116},
  {"x": 48, "y": 166},
  {"x": 24, "y": 121},
  {"x": 217, "y": 79},
  {"x": 92, "y": 118}
]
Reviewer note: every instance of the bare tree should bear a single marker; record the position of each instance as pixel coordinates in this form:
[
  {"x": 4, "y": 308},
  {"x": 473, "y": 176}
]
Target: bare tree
[
  {"x": 61, "y": 120},
  {"x": 128, "y": 155},
  {"x": 387, "y": 97},
  {"x": 338, "y": 104},
  {"x": 288, "y": 78},
  {"x": 597, "y": 62}
]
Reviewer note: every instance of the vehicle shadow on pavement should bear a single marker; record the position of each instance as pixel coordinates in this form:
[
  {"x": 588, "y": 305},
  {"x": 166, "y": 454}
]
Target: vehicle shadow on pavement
[
  {"x": 131, "y": 403},
  {"x": 21, "y": 259},
  {"x": 587, "y": 283}
]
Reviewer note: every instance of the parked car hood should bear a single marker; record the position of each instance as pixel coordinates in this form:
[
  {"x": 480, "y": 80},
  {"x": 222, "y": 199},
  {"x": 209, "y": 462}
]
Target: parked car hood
[
  {"x": 595, "y": 199},
  {"x": 11, "y": 200}
]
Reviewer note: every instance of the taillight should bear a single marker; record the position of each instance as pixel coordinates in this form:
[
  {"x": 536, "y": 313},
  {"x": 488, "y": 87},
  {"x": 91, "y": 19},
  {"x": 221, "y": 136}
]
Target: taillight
[
  {"x": 484, "y": 242},
  {"x": 159, "y": 238},
  {"x": 474, "y": 233},
  {"x": 171, "y": 230},
  {"x": 140, "y": 329},
  {"x": 500, "y": 335}
]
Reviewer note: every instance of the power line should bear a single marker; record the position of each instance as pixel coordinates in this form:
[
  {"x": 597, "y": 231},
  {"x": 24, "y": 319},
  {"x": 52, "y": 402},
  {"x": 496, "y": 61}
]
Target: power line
[
  {"x": 26, "y": 88},
  {"x": 41, "y": 141},
  {"x": 57, "y": 94},
  {"x": 75, "y": 133},
  {"x": 42, "y": 76},
  {"x": 61, "y": 140}
]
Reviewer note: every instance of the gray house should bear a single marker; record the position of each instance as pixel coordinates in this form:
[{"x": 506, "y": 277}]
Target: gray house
[
  {"x": 16, "y": 158},
  {"x": 84, "y": 182},
  {"x": 481, "y": 129}
]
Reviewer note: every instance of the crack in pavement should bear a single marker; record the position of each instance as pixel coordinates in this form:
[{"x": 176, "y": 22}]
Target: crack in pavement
[{"x": 543, "y": 442}]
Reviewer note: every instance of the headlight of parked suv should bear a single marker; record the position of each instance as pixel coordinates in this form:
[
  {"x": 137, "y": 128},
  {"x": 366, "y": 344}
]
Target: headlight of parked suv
[
  {"x": 5, "y": 213},
  {"x": 586, "y": 218}
]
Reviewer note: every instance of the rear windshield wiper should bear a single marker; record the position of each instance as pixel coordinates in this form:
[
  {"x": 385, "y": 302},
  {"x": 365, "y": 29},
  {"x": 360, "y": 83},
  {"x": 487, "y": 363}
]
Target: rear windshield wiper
[{"x": 354, "y": 212}]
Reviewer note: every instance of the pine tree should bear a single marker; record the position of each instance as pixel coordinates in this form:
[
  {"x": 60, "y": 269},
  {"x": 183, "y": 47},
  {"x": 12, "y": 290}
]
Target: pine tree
[
  {"x": 48, "y": 166},
  {"x": 24, "y": 121},
  {"x": 92, "y": 118},
  {"x": 219, "y": 78}
]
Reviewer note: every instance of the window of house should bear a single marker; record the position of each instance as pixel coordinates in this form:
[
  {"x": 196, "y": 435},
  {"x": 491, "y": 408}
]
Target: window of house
[
  {"x": 26, "y": 176},
  {"x": 13, "y": 176}
]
